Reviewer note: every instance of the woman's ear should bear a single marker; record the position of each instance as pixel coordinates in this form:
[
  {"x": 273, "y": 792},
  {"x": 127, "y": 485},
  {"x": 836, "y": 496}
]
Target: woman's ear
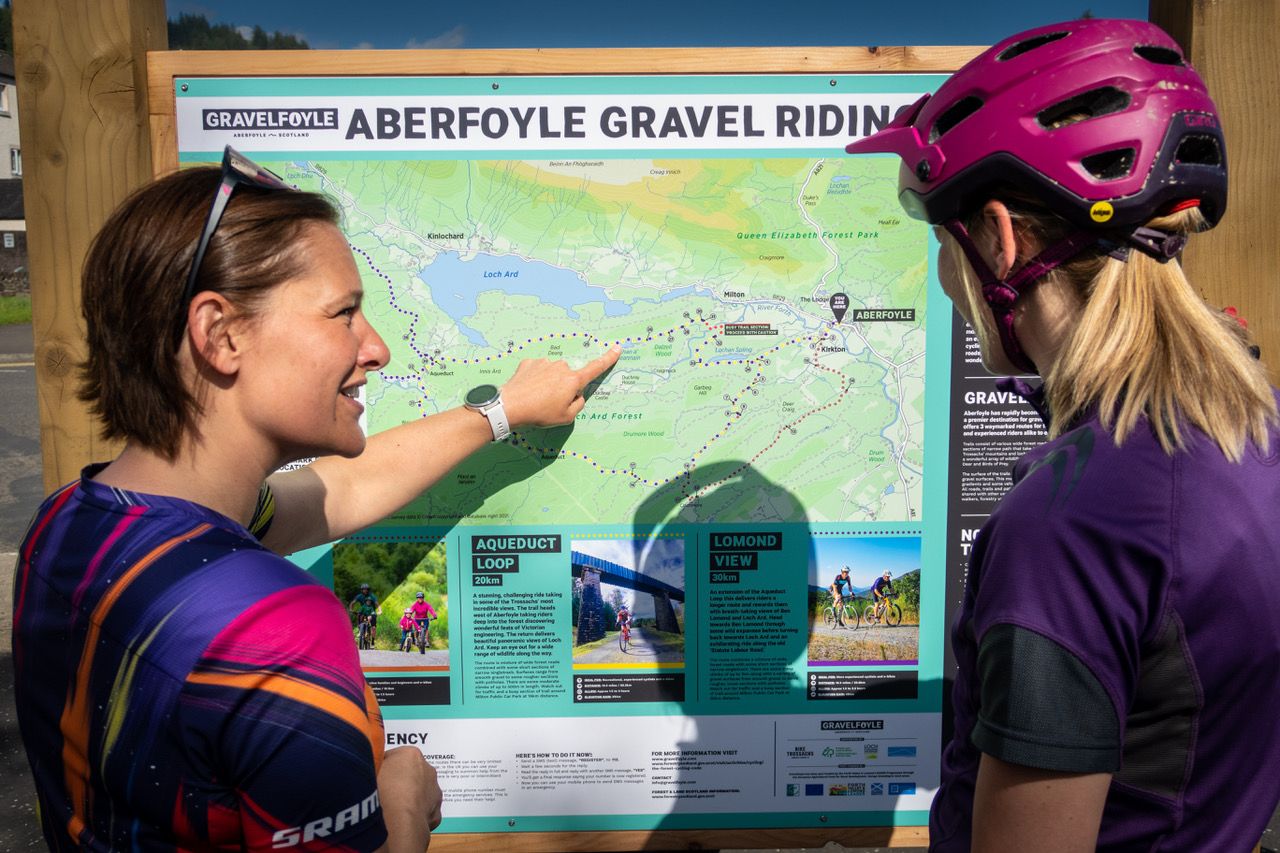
[
  {"x": 211, "y": 332},
  {"x": 1002, "y": 248}
]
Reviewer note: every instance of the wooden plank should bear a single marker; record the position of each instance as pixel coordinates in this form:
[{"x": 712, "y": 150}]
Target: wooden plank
[
  {"x": 752, "y": 839},
  {"x": 84, "y": 122},
  {"x": 163, "y": 67},
  {"x": 1234, "y": 47}
]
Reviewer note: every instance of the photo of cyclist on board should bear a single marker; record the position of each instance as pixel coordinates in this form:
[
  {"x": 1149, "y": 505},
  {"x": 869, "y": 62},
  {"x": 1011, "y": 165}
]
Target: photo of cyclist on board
[
  {"x": 881, "y": 590},
  {"x": 407, "y": 626},
  {"x": 842, "y": 582},
  {"x": 423, "y": 612},
  {"x": 365, "y": 608}
]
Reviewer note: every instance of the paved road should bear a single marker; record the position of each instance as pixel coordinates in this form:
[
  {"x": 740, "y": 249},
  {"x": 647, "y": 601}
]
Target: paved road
[
  {"x": 644, "y": 647},
  {"x": 21, "y": 487},
  {"x": 391, "y": 657},
  {"x": 20, "y": 491}
]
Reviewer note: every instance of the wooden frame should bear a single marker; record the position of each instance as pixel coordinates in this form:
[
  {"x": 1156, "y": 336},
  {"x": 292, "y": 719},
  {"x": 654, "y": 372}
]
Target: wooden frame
[
  {"x": 96, "y": 113},
  {"x": 163, "y": 68}
]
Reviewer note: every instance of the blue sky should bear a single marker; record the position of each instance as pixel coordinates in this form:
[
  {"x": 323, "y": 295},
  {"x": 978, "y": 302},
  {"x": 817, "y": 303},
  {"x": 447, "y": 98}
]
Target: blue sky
[
  {"x": 393, "y": 24},
  {"x": 866, "y": 556}
]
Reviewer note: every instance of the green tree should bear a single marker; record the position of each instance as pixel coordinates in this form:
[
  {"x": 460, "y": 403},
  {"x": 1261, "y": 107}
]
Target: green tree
[
  {"x": 195, "y": 32},
  {"x": 908, "y": 588},
  {"x": 6, "y": 28}
]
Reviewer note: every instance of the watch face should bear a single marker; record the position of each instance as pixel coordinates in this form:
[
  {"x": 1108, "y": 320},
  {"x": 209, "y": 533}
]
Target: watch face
[{"x": 481, "y": 394}]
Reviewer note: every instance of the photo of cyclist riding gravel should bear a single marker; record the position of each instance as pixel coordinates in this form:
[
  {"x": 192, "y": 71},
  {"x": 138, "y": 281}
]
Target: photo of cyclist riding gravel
[
  {"x": 628, "y": 602},
  {"x": 398, "y": 597},
  {"x": 864, "y": 600}
]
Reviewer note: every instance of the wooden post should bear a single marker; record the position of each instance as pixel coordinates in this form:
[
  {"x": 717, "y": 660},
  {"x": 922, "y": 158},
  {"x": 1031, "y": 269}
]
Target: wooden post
[
  {"x": 1234, "y": 44},
  {"x": 81, "y": 72}
]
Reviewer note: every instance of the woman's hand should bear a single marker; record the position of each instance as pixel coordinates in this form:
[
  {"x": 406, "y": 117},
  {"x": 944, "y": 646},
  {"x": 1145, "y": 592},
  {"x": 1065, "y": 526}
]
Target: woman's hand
[
  {"x": 411, "y": 799},
  {"x": 545, "y": 393}
]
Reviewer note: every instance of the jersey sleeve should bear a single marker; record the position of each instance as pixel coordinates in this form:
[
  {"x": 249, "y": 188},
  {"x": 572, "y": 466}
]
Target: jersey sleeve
[
  {"x": 291, "y": 725},
  {"x": 1040, "y": 706},
  {"x": 1067, "y": 589}
]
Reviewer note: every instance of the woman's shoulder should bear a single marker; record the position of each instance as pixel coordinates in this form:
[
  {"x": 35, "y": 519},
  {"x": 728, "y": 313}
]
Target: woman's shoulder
[{"x": 1085, "y": 460}]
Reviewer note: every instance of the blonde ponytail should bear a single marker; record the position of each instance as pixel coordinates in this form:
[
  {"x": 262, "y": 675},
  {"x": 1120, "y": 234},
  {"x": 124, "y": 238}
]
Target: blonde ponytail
[{"x": 1145, "y": 346}]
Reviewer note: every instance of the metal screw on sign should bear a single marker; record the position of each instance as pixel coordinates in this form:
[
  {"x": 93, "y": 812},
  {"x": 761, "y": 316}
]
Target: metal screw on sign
[
  {"x": 511, "y": 822},
  {"x": 833, "y": 82},
  {"x": 822, "y": 818},
  {"x": 184, "y": 87},
  {"x": 495, "y": 88}
]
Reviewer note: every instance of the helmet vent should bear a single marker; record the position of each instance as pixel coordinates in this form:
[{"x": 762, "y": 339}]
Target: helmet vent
[
  {"x": 1158, "y": 55},
  {"x": 956, "y": 113},
  {"x": 1200, "y": 149},
  {"x": 1091, "y": 104},
  {"x": 1110, "y": 165},
  {"x": 1029, "y": 45}
]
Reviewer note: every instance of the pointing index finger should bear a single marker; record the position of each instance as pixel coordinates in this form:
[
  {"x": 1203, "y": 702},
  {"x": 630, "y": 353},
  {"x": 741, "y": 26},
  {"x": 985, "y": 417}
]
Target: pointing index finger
[{"x": 595, "y": 368}]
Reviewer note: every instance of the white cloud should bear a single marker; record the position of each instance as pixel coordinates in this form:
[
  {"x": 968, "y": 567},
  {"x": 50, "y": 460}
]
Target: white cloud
[
  {"x": 245, "y": 32},
  {"x": 454, "y": 38}
]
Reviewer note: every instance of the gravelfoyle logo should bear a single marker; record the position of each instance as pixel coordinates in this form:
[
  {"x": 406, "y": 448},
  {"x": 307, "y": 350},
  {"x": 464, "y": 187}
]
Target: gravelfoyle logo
[{"x": 276, "y": 118}]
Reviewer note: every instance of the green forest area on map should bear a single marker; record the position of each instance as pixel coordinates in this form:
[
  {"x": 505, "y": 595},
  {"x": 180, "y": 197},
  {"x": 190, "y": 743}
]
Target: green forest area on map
[{"x": 715, "y": 275}]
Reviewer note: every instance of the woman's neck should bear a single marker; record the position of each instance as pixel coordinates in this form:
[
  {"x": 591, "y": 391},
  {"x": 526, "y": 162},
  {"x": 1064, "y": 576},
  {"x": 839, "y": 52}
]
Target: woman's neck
[
  {"x": 1044, "y": 321},
  {"x": 226, "y": 485}
]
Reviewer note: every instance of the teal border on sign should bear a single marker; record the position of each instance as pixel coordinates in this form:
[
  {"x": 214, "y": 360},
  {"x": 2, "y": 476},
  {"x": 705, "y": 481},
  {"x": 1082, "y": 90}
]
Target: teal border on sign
[
  {"x": 629, "y": 154},
  {"x": 835, "y": 816},
  {"x": 931, "y": 522},
  {"x": 483, "y": 85}
]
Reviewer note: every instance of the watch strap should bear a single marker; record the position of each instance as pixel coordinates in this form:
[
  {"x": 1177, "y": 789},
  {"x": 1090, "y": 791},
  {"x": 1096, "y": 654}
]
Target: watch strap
[{"x": 497, "y": 417}]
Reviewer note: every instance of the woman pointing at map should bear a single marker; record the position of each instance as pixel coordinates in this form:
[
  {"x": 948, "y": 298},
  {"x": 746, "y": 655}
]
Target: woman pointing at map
[{"x": 179, "y": 685}]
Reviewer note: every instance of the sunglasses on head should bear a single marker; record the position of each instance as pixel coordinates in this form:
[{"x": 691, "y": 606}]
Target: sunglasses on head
[{"x": 237, "y": 169}]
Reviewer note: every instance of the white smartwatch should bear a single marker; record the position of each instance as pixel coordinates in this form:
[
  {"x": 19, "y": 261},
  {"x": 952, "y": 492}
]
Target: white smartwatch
[{"x": 487, "y": 400}]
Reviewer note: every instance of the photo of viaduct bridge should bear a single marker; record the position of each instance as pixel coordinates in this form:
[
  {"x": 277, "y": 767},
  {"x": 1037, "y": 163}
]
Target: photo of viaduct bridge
[{"x": 593, "y": 571}]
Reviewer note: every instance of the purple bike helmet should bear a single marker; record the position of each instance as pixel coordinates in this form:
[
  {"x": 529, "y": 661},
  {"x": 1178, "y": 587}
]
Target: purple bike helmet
[{"x": 1101, "y": 120}]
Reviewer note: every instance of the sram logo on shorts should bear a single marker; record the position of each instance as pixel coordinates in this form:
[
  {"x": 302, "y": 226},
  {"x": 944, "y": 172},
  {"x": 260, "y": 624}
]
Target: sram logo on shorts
[{"x": 325, "y": 826}]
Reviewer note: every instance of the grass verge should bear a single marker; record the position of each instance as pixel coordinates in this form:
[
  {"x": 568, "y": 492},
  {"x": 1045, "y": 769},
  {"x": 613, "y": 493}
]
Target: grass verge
[{"x": 15, "y": 310}]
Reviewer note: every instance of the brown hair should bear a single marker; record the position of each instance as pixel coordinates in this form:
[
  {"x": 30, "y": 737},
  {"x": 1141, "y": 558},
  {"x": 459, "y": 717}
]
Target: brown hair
[
  {"x": 1144, "y": 346},
  {"x": 132, "y": 285}
]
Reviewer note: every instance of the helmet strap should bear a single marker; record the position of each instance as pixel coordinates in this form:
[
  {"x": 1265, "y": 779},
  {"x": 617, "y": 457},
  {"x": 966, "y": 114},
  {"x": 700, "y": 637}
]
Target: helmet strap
[
  {"x": 1002, "y": 296},
  {"x": 1161, "y": 245}
]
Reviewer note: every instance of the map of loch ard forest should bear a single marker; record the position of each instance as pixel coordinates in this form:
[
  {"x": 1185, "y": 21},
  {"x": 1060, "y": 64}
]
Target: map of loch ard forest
[{"x": 717, "y": 277}]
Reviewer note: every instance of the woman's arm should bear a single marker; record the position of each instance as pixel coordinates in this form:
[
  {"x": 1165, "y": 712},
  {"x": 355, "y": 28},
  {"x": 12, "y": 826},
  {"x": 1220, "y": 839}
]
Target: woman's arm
[
  {"x": 1017, "y": 808},
  {"x": 334, "y": 497}
]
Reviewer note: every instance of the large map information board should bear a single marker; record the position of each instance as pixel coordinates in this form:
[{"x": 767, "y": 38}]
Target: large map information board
[{"x": 773, "y": 418}]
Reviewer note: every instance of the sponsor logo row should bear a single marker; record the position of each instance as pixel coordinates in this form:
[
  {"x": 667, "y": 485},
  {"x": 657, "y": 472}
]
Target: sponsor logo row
[{"x": 852, "y": 789}]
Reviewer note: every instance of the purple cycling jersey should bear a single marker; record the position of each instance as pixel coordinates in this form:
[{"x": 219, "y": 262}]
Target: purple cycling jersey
[{"x": 1120, "y": 617}]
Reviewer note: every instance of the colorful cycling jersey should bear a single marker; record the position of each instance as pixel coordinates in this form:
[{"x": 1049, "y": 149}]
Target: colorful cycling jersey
[
  {"x": 422, "y": 610},
  {"x": 843, "y": 585},
  {"x": 883, "y": 586},
  {"x": 178, "y": 686},
  {"x": 366, "y": 604}
]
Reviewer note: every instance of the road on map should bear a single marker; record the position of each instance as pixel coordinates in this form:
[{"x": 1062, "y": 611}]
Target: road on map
[
  {"x": 380, "y": 657},
  {"x": 865, "y": 643},
  {"x": 645, "y": 647}
]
